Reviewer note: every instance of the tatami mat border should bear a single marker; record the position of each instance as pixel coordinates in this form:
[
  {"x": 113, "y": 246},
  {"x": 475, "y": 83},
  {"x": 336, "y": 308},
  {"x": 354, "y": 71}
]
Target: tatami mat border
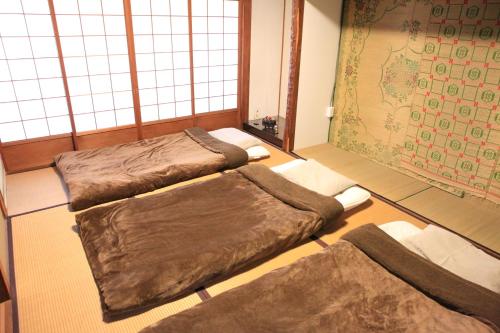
[{"x": 38, "y": 210}]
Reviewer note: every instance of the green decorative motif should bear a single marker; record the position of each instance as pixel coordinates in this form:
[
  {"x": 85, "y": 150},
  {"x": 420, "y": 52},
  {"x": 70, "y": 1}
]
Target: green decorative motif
[
  {"x": 429, "y": 48},
  {"x": 400, "y": 78},
  {"x": 455, "y": 145},
  {"x": 466, "y": 166},
  {"x": 426, "y": 135},
  {"x": 488, "y": 96},
  {"x": 462, "y": 52},
  {"x": 452, "y": 89},
  {"x": 446, "y": 174},
  {"x": 474, "y": 74},
  {"x": 477, "y": 132},
  {"x": 472, "y": 11},
  {"x": 444, "y": 124},
  {"x": 441, "y": 69},
  {"x": 437, "y": 10},
  {"x": 496, "y": 56},
  {"x": 449, "y": 31},
  {"x": 485, "y": 33},
  {"x": 422, "y": 83},
  {"x": 490, "y": 154},
  {"x": 433, "y": 103},
  {"x": 415, "y": 115},
  {"x": 413, "y": 27},
  {"x": 464, "y": 110},
  {"x": 436, "y": 156}
]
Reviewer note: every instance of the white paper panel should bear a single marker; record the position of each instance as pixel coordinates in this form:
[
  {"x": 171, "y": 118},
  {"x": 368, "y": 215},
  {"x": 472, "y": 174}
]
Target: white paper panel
[
  {"x": 167, "y": 111},
  {"x": 36, "y": 128},
  {"x": 12, "y": 132},
  {"x": 183, "y": 109},
  {"x": 31, "y": 109}
]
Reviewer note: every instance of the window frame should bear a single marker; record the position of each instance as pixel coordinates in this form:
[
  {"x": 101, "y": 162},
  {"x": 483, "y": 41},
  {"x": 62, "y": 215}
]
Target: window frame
[{"x": 38, "y": 152}]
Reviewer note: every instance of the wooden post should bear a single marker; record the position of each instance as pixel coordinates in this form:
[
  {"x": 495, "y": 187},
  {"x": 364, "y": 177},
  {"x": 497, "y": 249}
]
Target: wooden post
[
  {"x": 293, "y": 78},
  {"x": 63, "y": 73},
  {"x": 133, "y": 67}
]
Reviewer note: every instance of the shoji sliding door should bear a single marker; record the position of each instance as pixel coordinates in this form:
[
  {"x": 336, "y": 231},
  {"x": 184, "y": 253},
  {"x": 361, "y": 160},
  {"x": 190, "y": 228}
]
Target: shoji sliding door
[
  {"x": 161, "y": 37},
  {"x": 94, "y": 47},
  {"x": 32, "y": 96},
  {"x": 78, "y": 74},
  {"x": 215, "y": 54}
]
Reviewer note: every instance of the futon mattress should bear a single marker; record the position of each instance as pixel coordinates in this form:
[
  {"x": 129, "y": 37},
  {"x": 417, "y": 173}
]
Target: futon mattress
[
  {"x": 146, "y": 251},
  {"x": 101, "y": 175},
  {"x": 367, "y": 282}
]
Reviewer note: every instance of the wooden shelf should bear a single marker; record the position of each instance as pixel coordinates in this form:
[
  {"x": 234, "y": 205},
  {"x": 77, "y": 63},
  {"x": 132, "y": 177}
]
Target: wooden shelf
[{"x": 256, "y": 128}]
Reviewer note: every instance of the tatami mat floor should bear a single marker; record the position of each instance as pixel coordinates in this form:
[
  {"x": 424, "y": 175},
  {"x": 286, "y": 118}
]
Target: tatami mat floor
[
  {"x": 29, "y": 191},
  {"x": 55, "y": 291},
  {"x": 474, "y": 218}
]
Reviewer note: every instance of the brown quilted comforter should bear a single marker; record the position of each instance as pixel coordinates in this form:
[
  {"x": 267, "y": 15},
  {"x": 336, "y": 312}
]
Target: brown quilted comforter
[
  {"x": 144, "y": 252},
  {"x": 367, "y": 282},
  {"x": 101, "y": 175}
]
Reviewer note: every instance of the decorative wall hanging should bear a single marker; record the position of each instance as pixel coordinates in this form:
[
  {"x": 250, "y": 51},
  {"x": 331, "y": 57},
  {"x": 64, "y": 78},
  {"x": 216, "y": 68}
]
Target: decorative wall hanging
[{"x": 418, "y": 90}]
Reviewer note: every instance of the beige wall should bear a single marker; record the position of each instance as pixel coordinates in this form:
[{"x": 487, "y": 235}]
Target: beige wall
[
  {"x": 265, "y": 57},
  {"x": 320, "y": 40}
]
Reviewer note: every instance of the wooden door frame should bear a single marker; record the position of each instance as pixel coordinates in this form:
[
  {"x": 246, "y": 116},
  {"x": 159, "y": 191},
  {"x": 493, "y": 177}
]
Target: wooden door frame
[
  {"x": 293, "y": 75},
  {"x": 245, "y": 36},
  {"x": 294, "y": 67}
]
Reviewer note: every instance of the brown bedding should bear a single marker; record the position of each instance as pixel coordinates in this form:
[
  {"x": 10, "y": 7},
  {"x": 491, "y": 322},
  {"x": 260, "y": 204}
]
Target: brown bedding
[
  {"x": 348, "y": 289},
  {"x": 101, "y": 175},
  {"x": 146, "y": 251}
]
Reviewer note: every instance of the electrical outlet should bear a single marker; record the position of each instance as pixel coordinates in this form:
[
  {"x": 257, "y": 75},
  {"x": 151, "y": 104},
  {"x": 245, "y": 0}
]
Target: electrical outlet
[{"x": 329, "y": 112}]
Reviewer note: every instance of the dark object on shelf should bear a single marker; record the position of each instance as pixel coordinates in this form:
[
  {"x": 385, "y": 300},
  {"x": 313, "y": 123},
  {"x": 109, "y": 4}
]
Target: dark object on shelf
[
  {"x": 257, "y": 128},
  {"x": 268, "y": 122}
]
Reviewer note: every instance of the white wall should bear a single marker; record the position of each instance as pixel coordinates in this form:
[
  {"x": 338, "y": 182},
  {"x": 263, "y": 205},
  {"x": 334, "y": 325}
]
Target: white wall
[
  {"x": 265, "y": 57},
  {"x": 320, "y": 40}
]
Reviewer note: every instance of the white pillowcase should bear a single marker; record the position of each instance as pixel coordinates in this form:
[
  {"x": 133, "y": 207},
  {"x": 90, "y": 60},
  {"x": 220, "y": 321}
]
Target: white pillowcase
[
  {"x": 257, "y": 152},
  {"x": 288, "y": 165},
  {"x": 457, "y": 255},
  {"x": 236, "y": 137},
  {"x": 352, "y": 197},
  {"x": 318, "y": 178},
  {"x": 400, "y": 230}
]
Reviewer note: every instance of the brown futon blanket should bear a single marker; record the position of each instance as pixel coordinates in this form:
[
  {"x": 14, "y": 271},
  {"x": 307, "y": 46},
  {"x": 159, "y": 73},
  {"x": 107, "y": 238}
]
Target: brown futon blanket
[
  {"x": 101, "y": 175},
  {"x": 348, "y": 289},
  {"x": 146, "y": 251}
]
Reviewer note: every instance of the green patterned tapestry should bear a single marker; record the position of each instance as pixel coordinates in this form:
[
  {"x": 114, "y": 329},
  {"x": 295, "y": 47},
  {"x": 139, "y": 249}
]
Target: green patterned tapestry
[{"x": 418, "y": 89}]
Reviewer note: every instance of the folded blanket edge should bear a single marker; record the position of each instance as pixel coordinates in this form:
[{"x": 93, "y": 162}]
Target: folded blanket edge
[
  {"x": 432, "y": 280},
  {"x": 234, "y": 155},
  {"x": 292, "y": 194}
]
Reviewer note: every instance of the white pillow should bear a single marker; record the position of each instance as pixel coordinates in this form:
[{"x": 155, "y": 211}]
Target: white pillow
[
  {"x": 318, "y": 178},
  {"x": 457, "y": 255},
  {"x": 288, "y": 165},
  {"x": 353, "y": 197},
  {"x": 257, "y": 152},
  {"x": 400, "y": 230},
  {"x": 235, "y": 137}
]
